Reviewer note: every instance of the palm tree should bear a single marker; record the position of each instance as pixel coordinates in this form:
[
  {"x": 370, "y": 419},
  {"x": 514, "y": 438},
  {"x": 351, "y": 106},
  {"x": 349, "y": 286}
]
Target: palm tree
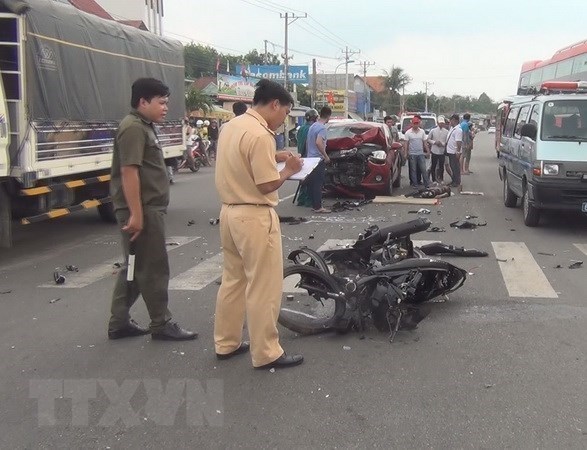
[
  {"x": 196, "y": 100},
  {"x": 395, "y": 80}
]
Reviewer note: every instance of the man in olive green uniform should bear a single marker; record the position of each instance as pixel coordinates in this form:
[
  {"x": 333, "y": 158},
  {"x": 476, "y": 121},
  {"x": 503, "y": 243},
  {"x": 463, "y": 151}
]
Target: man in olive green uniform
[
  {"x": 247, "y": 180},
  {"x": 140, "y": 194}
]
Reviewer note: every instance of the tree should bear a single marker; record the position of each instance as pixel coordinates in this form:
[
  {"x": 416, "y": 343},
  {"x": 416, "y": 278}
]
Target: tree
[
  {"x": 304, "y": 95},
  {"x": 396, "y": 79},
  {"x": 195, "y": 100}
]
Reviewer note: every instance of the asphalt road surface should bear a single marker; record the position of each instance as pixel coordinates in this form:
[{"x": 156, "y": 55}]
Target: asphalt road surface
[{"x": 501, "y": 364}]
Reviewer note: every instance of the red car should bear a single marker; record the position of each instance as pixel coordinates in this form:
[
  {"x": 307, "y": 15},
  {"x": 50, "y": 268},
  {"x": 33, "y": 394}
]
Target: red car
[{"x": 364, "y": 159}]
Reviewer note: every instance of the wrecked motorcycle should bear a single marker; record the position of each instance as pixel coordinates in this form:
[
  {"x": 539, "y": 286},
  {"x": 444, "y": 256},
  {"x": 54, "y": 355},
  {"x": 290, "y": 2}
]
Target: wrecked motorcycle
[{"x": 381, "y": 277}]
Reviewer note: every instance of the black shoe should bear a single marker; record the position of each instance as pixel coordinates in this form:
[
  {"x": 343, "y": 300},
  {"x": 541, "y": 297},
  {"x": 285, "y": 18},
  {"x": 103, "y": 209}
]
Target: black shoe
[
  {"x": 243, "y": 348},
  {"x": 283, "y": 362},
  {"x": 130, "y": 330},
  {"x": 173, "y": 332}
]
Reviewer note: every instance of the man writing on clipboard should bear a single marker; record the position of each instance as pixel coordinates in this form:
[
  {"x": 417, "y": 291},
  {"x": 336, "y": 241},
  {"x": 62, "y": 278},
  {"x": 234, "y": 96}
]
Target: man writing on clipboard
[{"x": 247, "y": 181}]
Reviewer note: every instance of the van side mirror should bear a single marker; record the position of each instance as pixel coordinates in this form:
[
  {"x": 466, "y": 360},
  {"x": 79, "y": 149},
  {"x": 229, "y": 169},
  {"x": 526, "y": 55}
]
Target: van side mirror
[{"x": 529, "y": 130}]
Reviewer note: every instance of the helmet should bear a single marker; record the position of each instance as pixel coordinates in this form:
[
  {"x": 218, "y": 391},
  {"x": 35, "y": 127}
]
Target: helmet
[
  {"x": 311, "y": 114},
  {"x": 199, "y": 123},
  {"x": 206, "y": 122}
]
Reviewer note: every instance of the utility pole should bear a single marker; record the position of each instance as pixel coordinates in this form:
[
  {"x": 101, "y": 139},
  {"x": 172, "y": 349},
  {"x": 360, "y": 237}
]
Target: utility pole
[
  {"x": 348, "y": 54},
  {"x": 366, "y": 64},
  {"x": 289, "y": 19},
  {"x": 265, "y": 57},
  {"x": 314, "y": 83},
  {"x": 426, "y": 84}
]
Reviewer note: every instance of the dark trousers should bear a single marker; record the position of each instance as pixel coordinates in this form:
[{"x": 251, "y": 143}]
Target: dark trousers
[
  {"x": 315, "y": 181},
  {"x": 455, "y": 167},
  {"x": 437, "y": 167},
  {"x": 151, "y": 275},
  {"x": 417, "y": 164}
]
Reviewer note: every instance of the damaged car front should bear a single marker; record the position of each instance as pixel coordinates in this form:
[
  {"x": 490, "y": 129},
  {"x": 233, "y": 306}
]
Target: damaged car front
[{"x": 364, "y": 160}]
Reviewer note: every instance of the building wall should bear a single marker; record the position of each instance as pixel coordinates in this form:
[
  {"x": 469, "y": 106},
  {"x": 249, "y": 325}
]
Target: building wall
[{"x": 149, "y": 11}]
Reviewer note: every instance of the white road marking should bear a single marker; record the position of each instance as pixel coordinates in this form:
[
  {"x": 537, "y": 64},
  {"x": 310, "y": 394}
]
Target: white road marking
[
  {"x": 85, "y": 277},
  {"x": 582, "y": 247},
  {"x": 200, "y": 276},
  {"x": 286, "y": 198},
  {"x": 521, "y": 273}
]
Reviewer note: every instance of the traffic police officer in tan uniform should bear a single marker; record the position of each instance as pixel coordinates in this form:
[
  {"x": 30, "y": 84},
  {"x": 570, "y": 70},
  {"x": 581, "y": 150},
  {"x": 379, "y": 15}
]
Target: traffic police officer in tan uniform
[
  {"x": 247, "y": 180},
  {"x": 140, "y": 194}
]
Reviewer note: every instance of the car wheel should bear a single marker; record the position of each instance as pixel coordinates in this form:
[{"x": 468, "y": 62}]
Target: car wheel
[
  {"x": 389, "y": 185},
  {"x": 531, "y": 213},
  {"x": 509, "y": 198}
]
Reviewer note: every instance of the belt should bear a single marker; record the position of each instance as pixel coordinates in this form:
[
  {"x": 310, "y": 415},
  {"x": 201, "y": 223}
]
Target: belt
[{"x": 249, "y": 204}]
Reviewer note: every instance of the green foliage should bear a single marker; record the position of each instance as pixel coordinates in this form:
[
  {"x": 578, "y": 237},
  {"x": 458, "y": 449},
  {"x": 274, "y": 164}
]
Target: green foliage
[
  {"x": 304, "y": 95},
  {"x": 195, "y": 99}
]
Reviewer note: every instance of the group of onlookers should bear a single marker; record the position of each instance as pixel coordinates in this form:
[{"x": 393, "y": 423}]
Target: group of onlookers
[{"x": 448, "y": 146}]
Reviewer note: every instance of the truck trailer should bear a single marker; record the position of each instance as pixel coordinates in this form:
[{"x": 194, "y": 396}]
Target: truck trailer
[{"x": 66, "y": 79}]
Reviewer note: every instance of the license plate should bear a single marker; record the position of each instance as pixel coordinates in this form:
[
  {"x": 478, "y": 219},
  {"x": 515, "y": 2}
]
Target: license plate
[{"x": 584, "y": 207}]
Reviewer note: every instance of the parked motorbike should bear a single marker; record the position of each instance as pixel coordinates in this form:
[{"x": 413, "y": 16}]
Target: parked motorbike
[{"x": 381, "y": 277}]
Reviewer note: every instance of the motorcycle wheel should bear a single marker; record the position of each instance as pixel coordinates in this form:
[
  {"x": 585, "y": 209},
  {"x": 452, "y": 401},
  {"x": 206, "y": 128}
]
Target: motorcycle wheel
[
  {"x": 307, "y": 304},
  {"x": 195, "y": 166}
]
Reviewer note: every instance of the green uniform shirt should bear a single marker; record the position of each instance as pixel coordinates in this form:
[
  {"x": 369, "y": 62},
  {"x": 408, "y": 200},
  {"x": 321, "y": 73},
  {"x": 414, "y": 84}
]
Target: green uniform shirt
[
  {"x": 136, "y": 144},
  {"x": 302, "y": 137}
]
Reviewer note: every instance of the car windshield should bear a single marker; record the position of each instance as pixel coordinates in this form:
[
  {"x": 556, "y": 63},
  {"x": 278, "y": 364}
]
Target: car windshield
[
  {"x": 427, "y": 124},
  {"x": 349, "y": 130},
  {"x": 564, "y": 120}
]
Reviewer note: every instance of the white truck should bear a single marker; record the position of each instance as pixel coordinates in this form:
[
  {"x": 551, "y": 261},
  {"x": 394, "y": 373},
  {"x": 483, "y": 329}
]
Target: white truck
[{"x": 65, "y": 84}]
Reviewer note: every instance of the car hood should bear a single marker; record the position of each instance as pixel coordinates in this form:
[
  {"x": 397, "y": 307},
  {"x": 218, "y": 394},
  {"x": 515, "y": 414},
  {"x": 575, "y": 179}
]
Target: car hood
[{"x": 373, "y": 135}]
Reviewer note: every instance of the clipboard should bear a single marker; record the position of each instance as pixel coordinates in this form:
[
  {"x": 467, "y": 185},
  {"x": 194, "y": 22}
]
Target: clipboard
[{"x": 309, "y": 165}]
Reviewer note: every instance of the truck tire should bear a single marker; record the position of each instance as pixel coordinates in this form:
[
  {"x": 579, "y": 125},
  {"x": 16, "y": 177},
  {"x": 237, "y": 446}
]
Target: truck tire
[
  {"x": 531, "y": 213},
  {"x": 509, "y": 198},
  {"x": 106, "y": 212}
]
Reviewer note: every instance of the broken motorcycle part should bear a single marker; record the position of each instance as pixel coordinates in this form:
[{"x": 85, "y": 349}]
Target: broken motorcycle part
[{"x": 438, "y": 248}]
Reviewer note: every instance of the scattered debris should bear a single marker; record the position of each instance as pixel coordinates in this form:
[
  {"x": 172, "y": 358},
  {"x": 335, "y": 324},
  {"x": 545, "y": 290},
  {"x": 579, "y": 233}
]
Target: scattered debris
[
  {"x": 467, "y": 224},
  {"x": 507, "y": 219},
  {"x": 346, "y": 347},
  {"x": 438, "y": 248},
  {"x": 55, "y": 300},
  {"x": 432, "y": 192},
  {"x": 501, "y": 260},
  {"x": 558, "y": 266},
  {"x": 118, "y": 265},
  {"x": 214, "y": 221},
  {"x": 471, "y": 193},
  {"x": 512, "y": 229},
  {"x": 289, "y": 298},
  {"x": 191, "y": 222},
  {"x": 71, "y": 268},
  {"x": 547, "y": 254},
  {"x": 420, "y": 211},
  {"x": 292, "y": 220},
  {"x": 172, "y": 243},
  {"x": 576, "y": 264},
  {"x": 489, "y": 386},
  {"x": 59, "y": 279},
  {"x": 272, "y": 370},
  {"x": 348, "y": 205},
  {"x": 311, "y": 236},
  {"x": 436, "y": 230},
  {"x": 471, "y": 217},
  {"x": 6, "y": 292},
  {"x": 406, "y": 200}
]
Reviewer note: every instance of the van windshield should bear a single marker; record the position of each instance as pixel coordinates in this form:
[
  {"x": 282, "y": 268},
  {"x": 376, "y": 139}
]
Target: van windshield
[
  {"x": 564, "y": 120},
  {"x": 427, "y": 124}
]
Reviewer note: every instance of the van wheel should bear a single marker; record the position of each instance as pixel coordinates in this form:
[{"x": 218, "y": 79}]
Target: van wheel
[
  {"x": 531, "y": 213},
  {"x": 106, "y": 211},
  {"x": 509, "y": 198}
]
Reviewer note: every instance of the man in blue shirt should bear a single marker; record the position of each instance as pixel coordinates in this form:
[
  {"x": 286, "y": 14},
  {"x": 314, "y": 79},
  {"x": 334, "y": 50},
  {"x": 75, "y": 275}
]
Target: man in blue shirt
[
  {"x": 467, "y": 144},
  {"x": 316, "y": 146}
]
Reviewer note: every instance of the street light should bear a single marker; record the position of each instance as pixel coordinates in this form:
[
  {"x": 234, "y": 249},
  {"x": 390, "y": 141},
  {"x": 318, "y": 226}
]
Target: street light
[{"x": 346, "y": 84}]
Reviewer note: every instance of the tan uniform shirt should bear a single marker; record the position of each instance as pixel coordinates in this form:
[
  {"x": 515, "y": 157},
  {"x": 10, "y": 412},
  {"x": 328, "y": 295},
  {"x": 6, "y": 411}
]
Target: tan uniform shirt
[
  {"x": 136, "y": 144},
  {"x": 246, "y": 158}
]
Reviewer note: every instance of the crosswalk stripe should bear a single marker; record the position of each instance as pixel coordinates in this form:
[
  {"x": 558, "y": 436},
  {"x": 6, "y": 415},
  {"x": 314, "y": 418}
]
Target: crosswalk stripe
[
  {"x": 85, "y": 277},
  {"x": 582, "y": 247},
  {"x": 521, "y": 273},
  {"x": 200, "y": 276}
]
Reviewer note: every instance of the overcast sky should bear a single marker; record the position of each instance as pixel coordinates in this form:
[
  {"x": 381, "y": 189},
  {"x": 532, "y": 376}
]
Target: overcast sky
[{"x": 461, "y": 47}]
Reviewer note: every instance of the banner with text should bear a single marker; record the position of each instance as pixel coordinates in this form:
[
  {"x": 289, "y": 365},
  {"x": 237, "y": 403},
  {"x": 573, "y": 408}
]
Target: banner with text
[
  {"x": 296, "y": 74},
  {"x": 231, "y": 87}
]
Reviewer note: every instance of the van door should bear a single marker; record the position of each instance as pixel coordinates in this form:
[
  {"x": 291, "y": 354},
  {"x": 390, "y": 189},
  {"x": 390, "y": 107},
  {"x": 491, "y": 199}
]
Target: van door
[
  {"x": 521, "y": 150},
  {"x": 506, "y": 147},
  {"x": 4, "y": 134}
]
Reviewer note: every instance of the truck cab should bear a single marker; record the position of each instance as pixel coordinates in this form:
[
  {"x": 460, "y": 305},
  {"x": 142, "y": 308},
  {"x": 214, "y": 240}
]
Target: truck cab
[{"x": 542, "y": 150}]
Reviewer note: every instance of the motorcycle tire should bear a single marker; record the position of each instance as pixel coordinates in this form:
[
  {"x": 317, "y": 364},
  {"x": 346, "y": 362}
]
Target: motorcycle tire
[
  {"x": 195, "y": 166},
  {"x": 317, "y": 285}
]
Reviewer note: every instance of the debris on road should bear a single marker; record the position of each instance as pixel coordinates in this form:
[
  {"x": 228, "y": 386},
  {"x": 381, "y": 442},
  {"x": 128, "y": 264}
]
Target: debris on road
[
  {"x": 311, "y": 236},
  {"x": 272, "y": 370},
  {"x": 191, "y": 222},
  {"x": 436, "y": 230},
  {"x": 348, "y": 205},
  {"x": 292, "y": 220},
  {"x": 547, "y": 254},
  {"x": 407, "y": 200},
  {"x": 575, "y": 264},
  {"x": 118, "y": 265},
  {"x": 420, "y": 211},
  {"x": 471, "y": 217},
  {"x": 467, "y": 224},
  {"x": 558, "y": 266},
  {"x": 55, "y": 300},
  {"x": 433, "y": 192},
  {"x": 472, "y": 193},
  {"x": 438, "y": 248},
  {"x": 6, "y": 292},
  {"x": 214, "y": 221},
  {"x": 346, "y": 347},
  {"x": 172, "y": 243},
  {"x": 71, "y": 268},
  {"x": 489, "y": 386},
  {"x": 59, "y": 279}
]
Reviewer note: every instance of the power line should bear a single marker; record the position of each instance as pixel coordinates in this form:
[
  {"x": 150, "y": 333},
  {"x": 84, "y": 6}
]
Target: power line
[
  {"x": 260, "y": 6},
  {"x": 319, "y": 37}
]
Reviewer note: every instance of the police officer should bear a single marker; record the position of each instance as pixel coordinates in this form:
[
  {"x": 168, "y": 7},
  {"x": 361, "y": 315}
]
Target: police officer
[
  {"x": 247, "y": 181},
  {"x": 140, "y": 194}
]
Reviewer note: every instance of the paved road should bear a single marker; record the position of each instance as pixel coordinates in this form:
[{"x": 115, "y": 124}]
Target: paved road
[{"x": 500, "y": 365}]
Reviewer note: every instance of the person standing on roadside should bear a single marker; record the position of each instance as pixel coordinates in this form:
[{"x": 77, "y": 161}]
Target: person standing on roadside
[
  {"x": 437, "y": 141},
  {"x": 391, "y": 122},
  {"x": 466, "y": 144},
  {"x": 316, "y": 145},
  {"x": 213, "y": 137},
  {"x": 311, "y": 116},
  {"x": 140, "y": 195},
  {"x": 415, "y": 150},
  {"x": 247, "y": 181},
  {"x": 454, "y": 142}
]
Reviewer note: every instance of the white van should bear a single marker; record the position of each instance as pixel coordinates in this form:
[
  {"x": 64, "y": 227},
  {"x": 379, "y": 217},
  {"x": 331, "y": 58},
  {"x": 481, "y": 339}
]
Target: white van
[{"x": 428, "y": 122}]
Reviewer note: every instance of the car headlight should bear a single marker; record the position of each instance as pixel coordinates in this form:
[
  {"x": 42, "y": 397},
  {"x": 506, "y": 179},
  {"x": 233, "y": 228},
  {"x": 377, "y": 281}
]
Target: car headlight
[
  {"x": 379, "y": 155},
  {"x": 550, "y": 169}
]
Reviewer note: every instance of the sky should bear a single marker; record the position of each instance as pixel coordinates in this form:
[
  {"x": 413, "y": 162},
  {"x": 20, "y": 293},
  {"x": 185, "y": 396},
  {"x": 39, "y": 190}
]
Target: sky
[{"x": 461, "y": 48}]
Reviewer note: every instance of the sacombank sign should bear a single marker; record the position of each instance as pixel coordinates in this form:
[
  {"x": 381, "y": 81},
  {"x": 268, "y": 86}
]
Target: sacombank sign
[{"x": 296, "y": 74}]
